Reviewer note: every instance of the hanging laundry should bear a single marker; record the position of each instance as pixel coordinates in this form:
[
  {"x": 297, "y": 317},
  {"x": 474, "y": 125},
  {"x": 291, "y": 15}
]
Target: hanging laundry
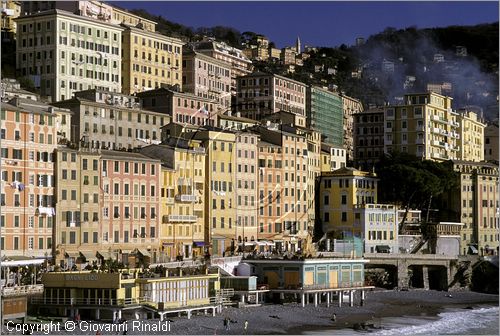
[{"x": 21, "y": 186}]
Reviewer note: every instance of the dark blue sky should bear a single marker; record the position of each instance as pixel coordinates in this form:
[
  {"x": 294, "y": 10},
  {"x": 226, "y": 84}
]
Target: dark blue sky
[{"x": 320, "y": 23}]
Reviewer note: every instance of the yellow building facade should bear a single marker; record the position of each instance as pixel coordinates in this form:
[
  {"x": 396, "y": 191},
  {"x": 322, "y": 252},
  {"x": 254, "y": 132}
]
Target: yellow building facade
[
  {"x": 424, "y": 126},
  {"x": 149, "y": 60},
  {"x": 219, "y": 194},
  {"x": 340, "y": 192},
  {"x": 182, "y": 186},
  {"x": 471, "y": 141}
]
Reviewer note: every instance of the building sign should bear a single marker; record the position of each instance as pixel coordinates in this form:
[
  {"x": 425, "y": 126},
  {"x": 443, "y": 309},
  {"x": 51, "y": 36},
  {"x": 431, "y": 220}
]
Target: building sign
[{"x": 81, "y": 277}]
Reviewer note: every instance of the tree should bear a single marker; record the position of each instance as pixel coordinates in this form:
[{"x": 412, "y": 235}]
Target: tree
[{"x": 412, "y": 183}]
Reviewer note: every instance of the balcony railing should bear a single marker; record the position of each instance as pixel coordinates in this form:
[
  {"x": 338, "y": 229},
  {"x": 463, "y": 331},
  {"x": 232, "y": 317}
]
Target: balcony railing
[
  {"x": 87, "y": 301},
  {"x": 182, "y": 218},
  {"x": 186, "y": 198},
  {"x": 22, "y": 290}
]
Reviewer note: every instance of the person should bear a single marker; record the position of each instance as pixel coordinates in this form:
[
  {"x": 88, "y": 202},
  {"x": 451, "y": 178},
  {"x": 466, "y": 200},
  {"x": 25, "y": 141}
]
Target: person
[
  {"x": 246, "y": 326},
  {"x": 334, "y": 317},
  {"x": 226, "y": 324}
]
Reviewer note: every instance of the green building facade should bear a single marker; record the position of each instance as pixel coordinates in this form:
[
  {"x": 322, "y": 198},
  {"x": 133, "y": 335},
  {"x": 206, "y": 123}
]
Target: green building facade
[{"x": 325, "y": 114}]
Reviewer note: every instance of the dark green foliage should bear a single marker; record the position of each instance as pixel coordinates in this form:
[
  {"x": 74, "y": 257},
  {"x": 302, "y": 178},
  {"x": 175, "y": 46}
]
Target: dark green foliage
[{"x": 410, "y": 182}]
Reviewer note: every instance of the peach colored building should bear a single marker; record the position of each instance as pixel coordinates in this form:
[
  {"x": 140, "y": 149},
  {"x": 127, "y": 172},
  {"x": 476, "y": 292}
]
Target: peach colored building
[
  {"x": 283, "y": 180},
  {"x": 28, "y": 140},
  {"x": 183, "y": 108},
  {"x": 246, "y": 185},
  {"x": 261, "y": 94},
  {"x": 207, "y": 77},
  {"x": 130, "y": 202}
]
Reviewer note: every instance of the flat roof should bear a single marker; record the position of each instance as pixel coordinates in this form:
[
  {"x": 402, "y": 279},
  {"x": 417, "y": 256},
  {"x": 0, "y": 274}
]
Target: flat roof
[{"x": 306, "y": 261}]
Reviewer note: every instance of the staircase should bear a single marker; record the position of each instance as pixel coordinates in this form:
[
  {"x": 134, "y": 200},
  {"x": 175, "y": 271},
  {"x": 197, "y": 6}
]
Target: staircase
[{"x": 421, "y": 242}]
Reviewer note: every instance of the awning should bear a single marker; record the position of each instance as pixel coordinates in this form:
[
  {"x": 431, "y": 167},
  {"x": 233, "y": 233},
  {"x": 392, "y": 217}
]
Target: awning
[
  {"x": 383, "y": 248},
  {"x": 260, "y": 243},
  {"x": 473, "y": 249},
  {"x": 167, "y": 244},
  {"x": 70, "y": 254},
  {"x": 88, "y": 255},
  {"x": 144, "y": 253},
  {"x": 104, "y": 255},
  {"x": 126, "y": 251},
  {"x": 199, "y": 244}
]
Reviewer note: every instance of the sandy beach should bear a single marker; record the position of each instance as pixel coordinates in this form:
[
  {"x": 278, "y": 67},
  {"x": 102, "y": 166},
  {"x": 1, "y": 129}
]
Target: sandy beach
[{"x": 292, "y": 319}]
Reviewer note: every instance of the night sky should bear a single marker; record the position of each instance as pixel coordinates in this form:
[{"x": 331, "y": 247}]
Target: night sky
[{"x": 320, "y": 23}]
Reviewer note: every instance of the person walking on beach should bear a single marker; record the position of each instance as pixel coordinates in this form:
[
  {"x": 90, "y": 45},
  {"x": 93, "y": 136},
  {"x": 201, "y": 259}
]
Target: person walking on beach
[{"x": 245, "y": 326}]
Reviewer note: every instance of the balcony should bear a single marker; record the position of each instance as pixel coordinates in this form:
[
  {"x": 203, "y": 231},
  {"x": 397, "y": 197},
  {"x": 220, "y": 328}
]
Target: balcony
[
  {"x": 420, "y": 141},
  {"x": 388, "y": 129},
  {"x": 170, "y": 200},
  {"x": 387, "y": 142},
  {"x": 186, "y": 198},
  {"x": 454, "y": 124},
  {"x": 420, "y": 128},
  {"x": 436, "y": 130},
  {"x": 183, "y": 181},
  {"x": 439, "y": 156},
  {"x": 182, "y": 218}
]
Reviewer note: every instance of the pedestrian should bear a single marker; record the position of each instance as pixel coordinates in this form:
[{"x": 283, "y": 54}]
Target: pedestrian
[
  {"x": 246, "y": 326},
  {"x": 334, "y": 317},
  {"x": 226, "y": 324}
]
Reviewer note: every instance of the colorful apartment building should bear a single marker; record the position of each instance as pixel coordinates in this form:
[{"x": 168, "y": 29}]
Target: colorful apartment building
[
  {"x": 10, "y": 11},
  {"x": 351, "y": 106},
  {"x": 368, "y": 137},
  {"x": 471, "y": 139},
  {"x": 183, "y": 108},
  {"x": 379, "y": 227},
  {"x": 93, "y": 9},
  {"x": 206, "y": 77},
  {"x": 261, "y": 94},
  {"x": 219, "y": 194},
  {"x": 283, "y": 180},
  {"x": 313, "y": 167},
  {"x": 340, "y": 192},
  {"x": 235, "y": 58},
  {"x": 424, "y": 126},
  {"x": 474, "y": 202},
  {"x": 63, "y": 53},
  {"x": 325, "y": 114},
  {"x": 78, "y": 209},
  {"x": 332, "y": 158},
  {"x": 246, "y": 185},
  {"x": 235, "y": 123},
  {"x": 149, "y": 59},
  {"x": 130, "y": 206},
  {"x": 491, "y": 142},
  {"x": 182, "y": 228},
  {"x": 28, "y": 141},
  {"x": 105, "y": 120}
]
